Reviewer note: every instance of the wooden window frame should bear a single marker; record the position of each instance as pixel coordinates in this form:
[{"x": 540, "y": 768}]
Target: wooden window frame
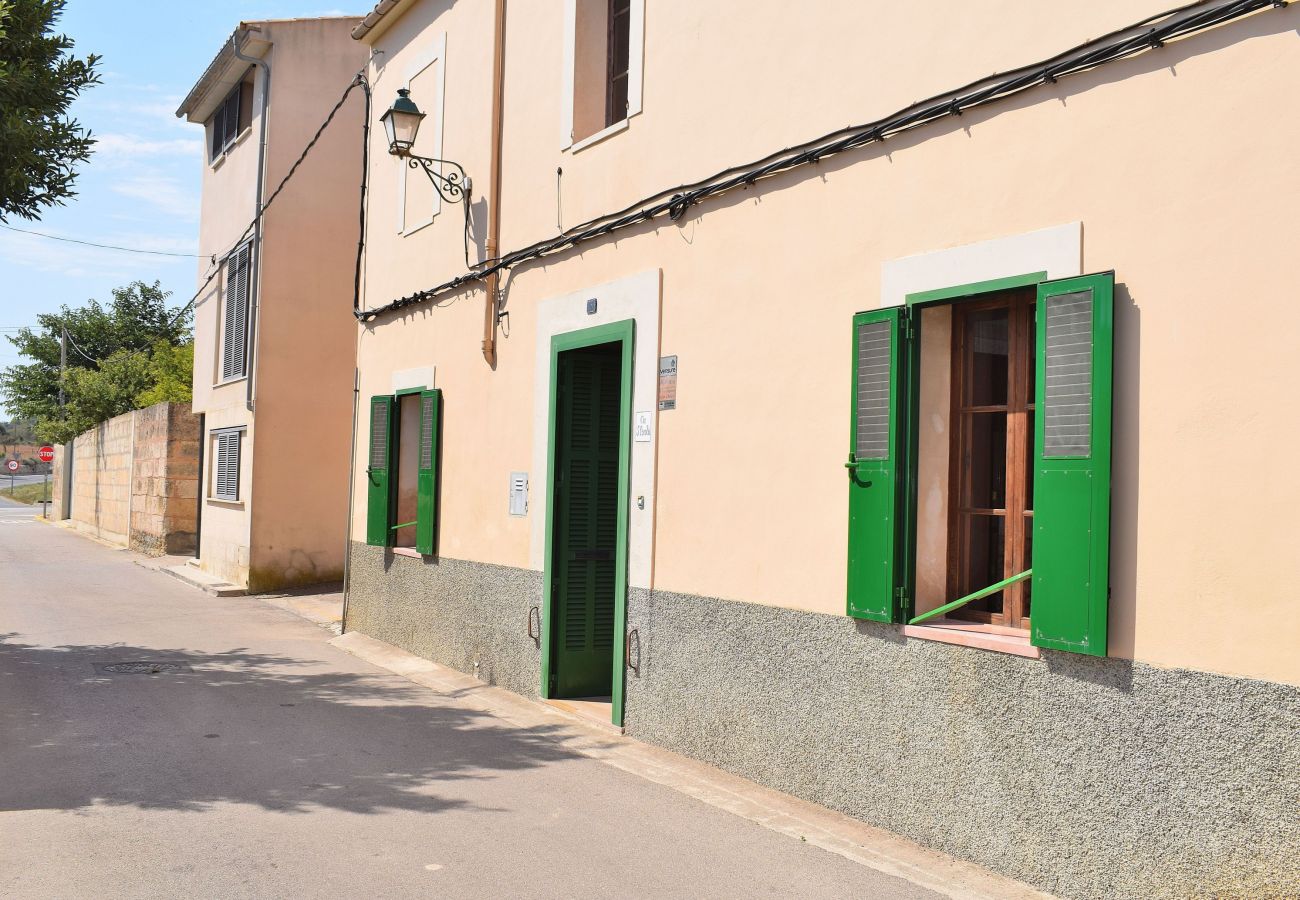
[
  {"x": 1016, "y": 515},
  {"x": 616, "y": 100}
]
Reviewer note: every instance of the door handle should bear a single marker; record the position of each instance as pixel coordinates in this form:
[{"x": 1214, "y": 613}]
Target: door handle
[
  {"x": 633, "y": 636},
  {"x": 535, "y": 614}
]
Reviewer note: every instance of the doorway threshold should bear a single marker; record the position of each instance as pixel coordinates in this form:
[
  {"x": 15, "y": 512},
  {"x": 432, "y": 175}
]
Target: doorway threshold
[{"x": 597, "y": 711}]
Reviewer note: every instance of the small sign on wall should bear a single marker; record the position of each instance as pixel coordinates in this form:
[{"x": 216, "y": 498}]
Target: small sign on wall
[
  {"x": 641, "y": 431},
  {"x": 668, "y": 382},
  {"x": 518, "y": 493}
]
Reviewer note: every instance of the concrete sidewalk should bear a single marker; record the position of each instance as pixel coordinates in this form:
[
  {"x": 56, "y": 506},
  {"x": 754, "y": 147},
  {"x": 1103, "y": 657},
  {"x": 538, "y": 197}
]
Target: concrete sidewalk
[{"x": 253, "y": 757}]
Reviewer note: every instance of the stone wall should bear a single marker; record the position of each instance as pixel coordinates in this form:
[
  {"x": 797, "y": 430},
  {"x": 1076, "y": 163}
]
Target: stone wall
[
  {"x": 165, "y": 480},
  {"x": 135, "y": 479}
]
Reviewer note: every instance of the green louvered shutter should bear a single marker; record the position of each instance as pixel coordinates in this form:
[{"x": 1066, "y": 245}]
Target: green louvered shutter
[
  {"x": 378, "y": 471},
  {"x": 426, "y": 477},
  {"x": 1071, "y": 550},
  {"x": 874, "y": 467}
]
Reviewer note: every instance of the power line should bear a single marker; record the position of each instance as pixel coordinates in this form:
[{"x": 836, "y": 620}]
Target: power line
[
  {"x": 1119, "y": 44},
  {"x": 56, "y": 237}
]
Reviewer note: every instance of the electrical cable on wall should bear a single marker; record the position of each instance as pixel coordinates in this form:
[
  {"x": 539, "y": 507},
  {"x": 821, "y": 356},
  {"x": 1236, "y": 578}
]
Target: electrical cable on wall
[{"x": 1122, "y": 43}]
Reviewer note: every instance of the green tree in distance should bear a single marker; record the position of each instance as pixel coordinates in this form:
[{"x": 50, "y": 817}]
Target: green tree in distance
[
  {"x": 132, "y": 354},
  {"x": 39, "y": 144}
]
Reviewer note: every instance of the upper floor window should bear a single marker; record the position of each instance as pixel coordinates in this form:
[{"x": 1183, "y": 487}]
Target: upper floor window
[
  {"x": 603, "y": 66},
  {"x": 234, "y": 318},
  {"x": 231, "y": 118}
]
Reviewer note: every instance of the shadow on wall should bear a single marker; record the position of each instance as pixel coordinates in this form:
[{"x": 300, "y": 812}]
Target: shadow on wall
[
  {"x": 1125, "y": 430},
  {"x": 304, "y": 738}
]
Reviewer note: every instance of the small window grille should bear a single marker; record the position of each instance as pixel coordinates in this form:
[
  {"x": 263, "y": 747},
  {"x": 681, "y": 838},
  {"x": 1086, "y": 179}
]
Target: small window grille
[
  {"x": 379, "y": 435},
  {"x": 872, "y": 407},
  {"x": 1067, "y": 400},
  {"x": 426, "y": 433},
  {"x": 226, "y": 466}
]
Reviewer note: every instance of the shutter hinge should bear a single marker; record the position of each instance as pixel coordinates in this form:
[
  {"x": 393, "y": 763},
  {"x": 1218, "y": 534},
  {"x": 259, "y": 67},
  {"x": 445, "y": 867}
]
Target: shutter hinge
[{"x": 900, "y": 598}]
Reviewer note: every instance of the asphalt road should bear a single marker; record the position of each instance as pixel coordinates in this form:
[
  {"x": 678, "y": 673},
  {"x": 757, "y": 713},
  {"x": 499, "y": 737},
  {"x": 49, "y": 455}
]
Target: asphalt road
[{"x": 276, "y": 765}]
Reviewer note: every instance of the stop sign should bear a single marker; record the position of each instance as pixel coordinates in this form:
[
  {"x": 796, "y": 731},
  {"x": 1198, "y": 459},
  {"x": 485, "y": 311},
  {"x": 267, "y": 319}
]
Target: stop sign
[
  {"x": 46, "y": 454},
  {"x": 12, "y": 465}
]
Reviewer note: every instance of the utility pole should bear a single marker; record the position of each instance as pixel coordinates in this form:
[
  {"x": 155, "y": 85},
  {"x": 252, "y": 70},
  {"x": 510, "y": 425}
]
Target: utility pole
[{"x": 63, "y": 362}]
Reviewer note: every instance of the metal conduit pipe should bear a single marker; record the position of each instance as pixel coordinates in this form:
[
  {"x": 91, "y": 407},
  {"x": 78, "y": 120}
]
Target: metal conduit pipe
[
  {"x": 255, "y": 276},
  {"x": 492, "y": 282}
]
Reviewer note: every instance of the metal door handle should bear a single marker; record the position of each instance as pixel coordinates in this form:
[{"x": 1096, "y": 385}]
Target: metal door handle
[
  {"x": 633, "y": 636},
  {"x": 537, "y": 613}
]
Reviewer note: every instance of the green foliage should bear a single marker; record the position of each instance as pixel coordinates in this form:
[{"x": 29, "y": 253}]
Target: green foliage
[
  {"x": 171, "y": 375},
  {"x": 132, "y": 351},
  {"x": 39, "y": 144}
]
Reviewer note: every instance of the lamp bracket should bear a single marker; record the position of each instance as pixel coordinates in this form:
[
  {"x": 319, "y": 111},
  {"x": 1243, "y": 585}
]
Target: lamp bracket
[{"x": 453, "y": 186}]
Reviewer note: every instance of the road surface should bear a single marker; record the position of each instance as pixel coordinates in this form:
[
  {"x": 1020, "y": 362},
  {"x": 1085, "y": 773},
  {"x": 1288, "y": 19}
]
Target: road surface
[{"x": 273, "y": 764}]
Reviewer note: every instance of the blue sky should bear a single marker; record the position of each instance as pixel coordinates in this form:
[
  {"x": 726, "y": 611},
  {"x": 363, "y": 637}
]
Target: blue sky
[{"x": 141, "y": 186}]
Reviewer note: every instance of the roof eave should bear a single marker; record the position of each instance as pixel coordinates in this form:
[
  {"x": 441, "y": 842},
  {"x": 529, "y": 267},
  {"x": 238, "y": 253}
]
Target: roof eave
[{"x": 223, "y": 73}]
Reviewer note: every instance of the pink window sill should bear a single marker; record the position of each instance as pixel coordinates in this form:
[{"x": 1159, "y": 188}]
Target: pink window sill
[
  {"x": 973, "y": 634},
  {"x": 407, "y": 551}
]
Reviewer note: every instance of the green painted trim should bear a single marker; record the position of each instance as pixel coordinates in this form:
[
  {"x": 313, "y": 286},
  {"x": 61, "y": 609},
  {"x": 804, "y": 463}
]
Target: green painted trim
[
  {"x": 980, "y": 594},
  {"x": 975, "y": 287},
  {"x": 403, "y": 525},
  {"x": 404, "y": 391},
  {"x": 623, "y": 332}
]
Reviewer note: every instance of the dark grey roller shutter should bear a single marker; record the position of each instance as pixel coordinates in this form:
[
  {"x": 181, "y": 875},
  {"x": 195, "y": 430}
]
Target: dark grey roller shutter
[{"x": 227, "y": 466}]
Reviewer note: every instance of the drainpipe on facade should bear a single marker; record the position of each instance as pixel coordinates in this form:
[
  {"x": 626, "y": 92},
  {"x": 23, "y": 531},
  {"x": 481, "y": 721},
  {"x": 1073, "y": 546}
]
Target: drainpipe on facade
[
  {"x": 256, "y": 275},
  {"x": 494, "y": 201},
  {"x": 352, "y": 485}
]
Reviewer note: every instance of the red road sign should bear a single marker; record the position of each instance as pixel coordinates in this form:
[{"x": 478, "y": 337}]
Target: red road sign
[
  {"x": 12, "y": 465},
  {"x": 46, "y": 454}
]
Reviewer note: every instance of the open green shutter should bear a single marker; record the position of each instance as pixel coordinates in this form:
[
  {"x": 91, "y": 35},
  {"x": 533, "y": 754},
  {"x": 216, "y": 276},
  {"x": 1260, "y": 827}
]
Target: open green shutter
[
  {"x": 874, "y": 467},
  {"x": 378, "y": 472},
  {"x": 1071, "y": 550},
  {"x": 426, "y": 479}
]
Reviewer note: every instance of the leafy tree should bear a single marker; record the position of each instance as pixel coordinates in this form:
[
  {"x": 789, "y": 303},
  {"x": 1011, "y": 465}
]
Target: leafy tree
[
  {"x": 111, "y": 363},
  {"x": 39, "y": 144},
  {"x": 171, "y": 375}
]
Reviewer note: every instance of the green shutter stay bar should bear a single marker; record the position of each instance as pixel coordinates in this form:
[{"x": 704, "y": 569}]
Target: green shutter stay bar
[
  {"x": 409, "y": 524},
  {"x": 991, "y": 589}
]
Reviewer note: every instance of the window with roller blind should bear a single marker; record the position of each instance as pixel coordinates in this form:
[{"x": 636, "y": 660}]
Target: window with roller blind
[
  {"x": 234, "y": 313},
  {"x": 228, "y": 121},
  {"x": 223, "y": 477},
  {"x": 979, "y": 461}
]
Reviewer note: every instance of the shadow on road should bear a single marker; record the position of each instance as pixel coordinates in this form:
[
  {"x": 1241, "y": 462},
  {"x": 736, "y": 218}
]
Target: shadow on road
[{"x": 279, "y": 733}]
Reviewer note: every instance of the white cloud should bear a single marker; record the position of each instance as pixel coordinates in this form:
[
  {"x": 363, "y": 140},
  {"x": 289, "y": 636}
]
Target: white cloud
[
  {"x": 161, "y": 192},
  {"x": 123, "y": 147}
]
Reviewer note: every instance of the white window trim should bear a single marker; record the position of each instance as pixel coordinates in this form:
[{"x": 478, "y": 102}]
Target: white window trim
[
  {"x": 211, "y": 480},
  {"x": 1057, "y": 250},
  {"x": 435, "y": 56},
  {"x": 635, "y": 74}
]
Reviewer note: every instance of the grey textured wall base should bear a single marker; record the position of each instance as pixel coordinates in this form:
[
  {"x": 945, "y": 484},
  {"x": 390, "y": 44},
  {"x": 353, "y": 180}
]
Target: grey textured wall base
[
  {"x": 1095, "y": 778},
  {"x": 453, "y": 612},
  {"x": 1090, "y": 778}
]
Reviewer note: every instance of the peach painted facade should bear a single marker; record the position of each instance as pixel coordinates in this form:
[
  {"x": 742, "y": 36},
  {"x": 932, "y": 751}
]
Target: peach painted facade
[
  {"x": 291, "y": 398},
  {"x": 758, "y": 287},
  {"x": 1148, "y": 770}
]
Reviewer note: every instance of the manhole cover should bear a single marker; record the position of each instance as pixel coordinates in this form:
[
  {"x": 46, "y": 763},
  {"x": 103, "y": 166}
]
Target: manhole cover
[{"x": 141, "y": 668}]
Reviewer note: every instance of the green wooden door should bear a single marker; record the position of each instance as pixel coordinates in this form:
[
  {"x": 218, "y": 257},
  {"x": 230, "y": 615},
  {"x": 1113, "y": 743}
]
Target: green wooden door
[
  {"x": 589, "y": 413},
  {"x": 875, "y": 467}
]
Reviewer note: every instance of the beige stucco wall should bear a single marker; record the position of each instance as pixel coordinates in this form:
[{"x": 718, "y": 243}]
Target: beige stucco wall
[
  {"x": 289, "y": 524},
  {"x": 758, "y": 287}
]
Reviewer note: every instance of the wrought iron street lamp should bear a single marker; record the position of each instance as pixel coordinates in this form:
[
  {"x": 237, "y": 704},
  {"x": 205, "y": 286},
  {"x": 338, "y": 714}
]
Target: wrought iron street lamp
[{"x": 402, "y": 124}]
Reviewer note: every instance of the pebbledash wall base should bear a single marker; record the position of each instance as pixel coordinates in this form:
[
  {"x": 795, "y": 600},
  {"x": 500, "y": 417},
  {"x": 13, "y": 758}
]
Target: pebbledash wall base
[{"x": 1090, "y": 778}]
